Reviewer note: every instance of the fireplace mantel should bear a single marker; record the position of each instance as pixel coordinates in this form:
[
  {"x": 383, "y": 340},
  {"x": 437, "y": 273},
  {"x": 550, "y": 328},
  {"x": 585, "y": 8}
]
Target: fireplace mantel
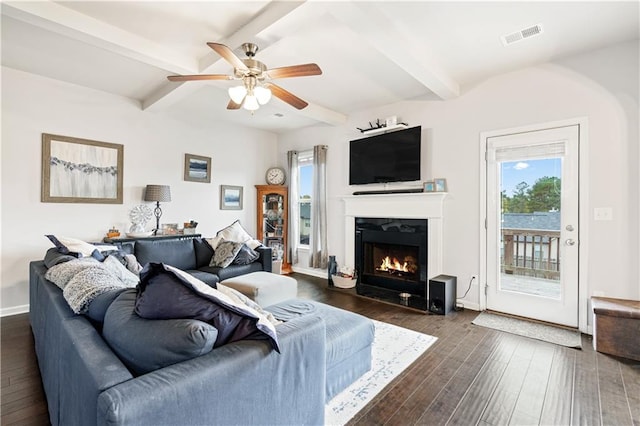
[{"x": 425, "y": 205}]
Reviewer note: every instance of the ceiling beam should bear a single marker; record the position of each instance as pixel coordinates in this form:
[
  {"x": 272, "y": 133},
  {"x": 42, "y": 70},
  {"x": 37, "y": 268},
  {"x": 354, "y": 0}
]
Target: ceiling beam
[
  {"x": 368, "y": 22},
  {"x": 62, "y": 20}
]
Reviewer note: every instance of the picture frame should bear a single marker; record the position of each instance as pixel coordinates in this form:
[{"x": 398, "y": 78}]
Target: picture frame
[
  {"x": 429, "y": 186},
  {"x": 440, "y": 184},
  {"x": 230, "y": 197},
  {"x": 76, "y": 170},
  {"x": 197, "y": 168}
]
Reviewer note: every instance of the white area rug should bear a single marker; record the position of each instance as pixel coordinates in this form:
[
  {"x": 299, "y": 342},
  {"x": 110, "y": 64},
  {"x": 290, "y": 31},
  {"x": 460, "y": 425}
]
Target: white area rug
[
  {"x": 534, "y": 330},
  {"x": 394, "y": 349}
]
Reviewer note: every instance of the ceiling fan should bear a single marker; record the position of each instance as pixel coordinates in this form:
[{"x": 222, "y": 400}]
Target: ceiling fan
[{"x": 256, "y": 89}]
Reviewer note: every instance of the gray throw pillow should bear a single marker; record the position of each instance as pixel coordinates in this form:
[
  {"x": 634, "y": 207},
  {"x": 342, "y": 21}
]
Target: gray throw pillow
[
  {"x": 225, "y": 253},
  {"x": 246, "y": 255}
]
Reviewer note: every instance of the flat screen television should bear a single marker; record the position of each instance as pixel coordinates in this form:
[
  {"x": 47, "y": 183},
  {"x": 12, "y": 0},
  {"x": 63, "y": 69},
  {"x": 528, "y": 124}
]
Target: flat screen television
[{"x": 388, "y": 157}]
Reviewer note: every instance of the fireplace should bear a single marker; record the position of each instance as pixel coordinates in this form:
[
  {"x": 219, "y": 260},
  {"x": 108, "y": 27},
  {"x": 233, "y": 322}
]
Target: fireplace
[{"x": 391, "y": 259}]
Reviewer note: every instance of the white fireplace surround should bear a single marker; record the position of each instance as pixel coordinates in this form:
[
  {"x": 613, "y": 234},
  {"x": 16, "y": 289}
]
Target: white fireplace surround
[{"x": 425, "y": 205}]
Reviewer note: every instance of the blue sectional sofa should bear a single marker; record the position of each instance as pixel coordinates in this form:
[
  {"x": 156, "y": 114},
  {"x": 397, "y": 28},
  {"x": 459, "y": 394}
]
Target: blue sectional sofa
[{"x": 322, "y": 350}]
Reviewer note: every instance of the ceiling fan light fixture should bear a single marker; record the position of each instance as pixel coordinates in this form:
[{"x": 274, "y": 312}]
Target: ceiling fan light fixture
[
  {"x": 250, "y": 103},
  {"x": 263, "y": 95},
  {"x": 237, "y": 93}
]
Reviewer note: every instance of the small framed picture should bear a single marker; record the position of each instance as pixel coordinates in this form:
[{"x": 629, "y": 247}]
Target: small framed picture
[
  {"x": 440, "y": 184},
  {"x": 197, "y": 168},
  {"x": 429, "y": 186},
  {"x": 230, "y": 197}
]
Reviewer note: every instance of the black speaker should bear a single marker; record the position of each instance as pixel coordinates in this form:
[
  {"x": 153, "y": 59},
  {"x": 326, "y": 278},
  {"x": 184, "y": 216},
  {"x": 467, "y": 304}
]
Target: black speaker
[{"x": 442, "y": 294}]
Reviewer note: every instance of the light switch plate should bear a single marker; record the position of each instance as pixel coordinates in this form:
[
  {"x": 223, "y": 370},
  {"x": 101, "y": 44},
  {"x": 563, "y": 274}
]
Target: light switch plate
[{"x": 603, "y": 213}]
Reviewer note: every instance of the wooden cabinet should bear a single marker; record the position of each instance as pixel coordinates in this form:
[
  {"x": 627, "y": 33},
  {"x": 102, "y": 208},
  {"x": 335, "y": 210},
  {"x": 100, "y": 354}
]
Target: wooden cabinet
[{"x": 273, "y": 208}]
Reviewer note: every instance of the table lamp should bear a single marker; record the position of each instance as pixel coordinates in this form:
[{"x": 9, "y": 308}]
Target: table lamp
[{"x": 157, "y": 193}]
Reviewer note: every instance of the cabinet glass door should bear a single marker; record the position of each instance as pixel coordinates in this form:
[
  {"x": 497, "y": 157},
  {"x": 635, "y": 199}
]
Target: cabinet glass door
[{"x": 273, "y": 223}]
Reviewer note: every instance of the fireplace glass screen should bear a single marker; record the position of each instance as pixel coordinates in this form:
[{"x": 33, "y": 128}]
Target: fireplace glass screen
[{"x": 393, "y": 261}]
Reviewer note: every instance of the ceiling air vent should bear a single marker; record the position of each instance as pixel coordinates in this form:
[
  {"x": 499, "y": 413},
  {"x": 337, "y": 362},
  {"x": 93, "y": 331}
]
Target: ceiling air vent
[{"x": 521, "y": 35}]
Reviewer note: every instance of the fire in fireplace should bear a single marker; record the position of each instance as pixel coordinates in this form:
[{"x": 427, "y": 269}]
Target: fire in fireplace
[{"x": 391, "y": 256}]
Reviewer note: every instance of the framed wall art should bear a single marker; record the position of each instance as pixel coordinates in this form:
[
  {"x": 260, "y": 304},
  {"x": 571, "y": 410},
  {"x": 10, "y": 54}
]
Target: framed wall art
[
  {"x": 440, "y": 184},
  {"x": 429, "y": 186},
  {"x": 197, "y": 168},
  {"x": 78, "y": 170},
  {"x": 230, "y": 197}
]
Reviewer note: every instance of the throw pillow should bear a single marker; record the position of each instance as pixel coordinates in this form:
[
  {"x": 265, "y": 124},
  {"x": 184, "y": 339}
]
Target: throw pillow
[
  {"x": 145, "y": 345},
  {"x": 225, "y": 254},
  {"x": 78, "y": 248},
  {"x": 246, "y": 255},
  {"x": 166, "y": 292},
  {"x": 234, "y": 232}
]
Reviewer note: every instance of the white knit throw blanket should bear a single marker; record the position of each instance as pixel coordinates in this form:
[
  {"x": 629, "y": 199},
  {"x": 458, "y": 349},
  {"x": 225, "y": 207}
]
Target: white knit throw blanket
[{"x": 84, "y": 279}]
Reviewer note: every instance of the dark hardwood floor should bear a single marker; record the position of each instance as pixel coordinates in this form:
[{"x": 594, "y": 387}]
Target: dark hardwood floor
[{"x": 471, "y": 375}]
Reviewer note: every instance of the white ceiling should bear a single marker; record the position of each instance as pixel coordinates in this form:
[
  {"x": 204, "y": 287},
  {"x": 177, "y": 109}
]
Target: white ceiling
[{"x": 371, "y": 53}]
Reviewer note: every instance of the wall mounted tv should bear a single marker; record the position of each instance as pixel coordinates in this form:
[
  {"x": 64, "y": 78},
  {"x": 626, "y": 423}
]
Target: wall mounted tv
[{"x": 388, "y": 157}]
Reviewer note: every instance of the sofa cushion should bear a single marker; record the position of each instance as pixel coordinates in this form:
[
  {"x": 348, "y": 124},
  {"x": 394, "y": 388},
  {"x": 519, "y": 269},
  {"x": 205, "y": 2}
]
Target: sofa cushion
[
  {"x": 225, "y": 253},
  {"x": 145, "y": 345},
  {"x": 206, "y": 277},
  {"x": 232, "y": 270},
  {"x": 178, "y": 253},
  {"x": 98, "y": 307},
  {"x": 166, "y": 292}
]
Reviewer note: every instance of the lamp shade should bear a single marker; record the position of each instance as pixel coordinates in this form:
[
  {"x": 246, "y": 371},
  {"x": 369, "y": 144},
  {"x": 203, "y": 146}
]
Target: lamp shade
[
  {"x": 251, "y": 103},
  {"x": 263, "y": 95},
  {"x": 157, "y": 193},
  {"x": 237, "y": 93}
]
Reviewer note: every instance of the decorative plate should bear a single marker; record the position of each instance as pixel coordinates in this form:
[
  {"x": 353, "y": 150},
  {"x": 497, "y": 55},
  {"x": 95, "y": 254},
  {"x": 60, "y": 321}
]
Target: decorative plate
[{"x": 140, "y": 214}]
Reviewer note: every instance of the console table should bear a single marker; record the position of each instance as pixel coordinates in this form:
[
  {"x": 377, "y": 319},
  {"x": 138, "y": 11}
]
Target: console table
[{"x": 152, "y": 237}]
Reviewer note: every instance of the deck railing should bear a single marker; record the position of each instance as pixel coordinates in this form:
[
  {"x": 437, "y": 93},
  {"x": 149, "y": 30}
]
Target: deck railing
[{"x": 531, "y": 252}]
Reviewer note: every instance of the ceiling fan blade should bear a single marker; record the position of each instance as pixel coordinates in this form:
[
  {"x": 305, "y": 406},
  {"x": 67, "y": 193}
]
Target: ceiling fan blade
[
  {"x": 200, "y": 77},
  {"x": 228, "y": 55},
  {"x": 286, "y": 96},
  {"x": 302, "y": 70},
  {"x": 233, "y": 105}
]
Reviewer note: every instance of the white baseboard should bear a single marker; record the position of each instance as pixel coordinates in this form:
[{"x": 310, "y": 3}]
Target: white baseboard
[
  {"x": 14, "y": 310},
  {"x": 469, "y": 305},
  {"x": 320, "y": 273}
]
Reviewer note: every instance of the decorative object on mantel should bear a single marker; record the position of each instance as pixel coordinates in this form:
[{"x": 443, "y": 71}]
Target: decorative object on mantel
[
  {"x": 440, "y": 185},
  {"x": 429, "y": 186},
  {"x": 157, "y": 193},
  {"x": 391, "y": 123}
]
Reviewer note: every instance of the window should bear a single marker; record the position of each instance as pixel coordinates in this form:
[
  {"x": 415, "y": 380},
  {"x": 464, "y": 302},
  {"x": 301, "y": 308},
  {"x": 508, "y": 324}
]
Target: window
[{"x": 305, "y": 172}]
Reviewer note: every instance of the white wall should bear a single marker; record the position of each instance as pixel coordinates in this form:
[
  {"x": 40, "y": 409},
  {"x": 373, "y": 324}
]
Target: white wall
[
  {"x": 154, "y": 148},
  {"x": 451, "y": 136}
]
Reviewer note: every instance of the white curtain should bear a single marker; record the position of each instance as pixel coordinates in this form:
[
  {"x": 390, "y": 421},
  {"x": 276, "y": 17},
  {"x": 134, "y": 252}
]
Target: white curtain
[
  {"x": 318, "y": 239},
  {"x": 293, "y": 239}
]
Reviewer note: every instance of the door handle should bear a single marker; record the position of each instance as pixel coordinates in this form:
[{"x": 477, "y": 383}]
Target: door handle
[{"x": 570, "y": 242}]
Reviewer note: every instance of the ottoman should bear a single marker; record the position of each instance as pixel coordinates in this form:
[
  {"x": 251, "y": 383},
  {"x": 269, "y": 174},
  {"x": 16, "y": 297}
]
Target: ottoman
[
  {"x": 264, "y": 288},
  {"x": 348, "y": 344}
]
